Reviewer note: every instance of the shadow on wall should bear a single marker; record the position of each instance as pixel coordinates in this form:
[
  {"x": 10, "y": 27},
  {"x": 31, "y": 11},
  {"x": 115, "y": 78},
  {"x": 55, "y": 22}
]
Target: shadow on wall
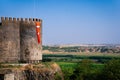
[
  {"x": 0, "y": 22},
  {"x": 1, "y": 76}
]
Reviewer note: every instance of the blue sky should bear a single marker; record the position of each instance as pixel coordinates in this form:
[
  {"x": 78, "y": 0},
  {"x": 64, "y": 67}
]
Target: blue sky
[{"x": 70, "y": 21}]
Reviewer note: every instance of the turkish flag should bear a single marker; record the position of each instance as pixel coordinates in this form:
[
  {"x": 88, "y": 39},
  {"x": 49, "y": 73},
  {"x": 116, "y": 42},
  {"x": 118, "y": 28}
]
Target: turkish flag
[{"x": 38, "y": 31}]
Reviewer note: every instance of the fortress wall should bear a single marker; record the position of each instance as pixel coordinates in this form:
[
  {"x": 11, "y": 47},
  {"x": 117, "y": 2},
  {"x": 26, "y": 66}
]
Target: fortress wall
[
  {"x": 9, "y": 40},
  {"x": 29, "y": 47},
  {"x": 18, "y": 40}
]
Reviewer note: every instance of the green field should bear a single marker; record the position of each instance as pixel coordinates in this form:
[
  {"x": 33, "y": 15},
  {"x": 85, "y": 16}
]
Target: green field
[
  {"x": 86, "y": 66},
  {"x": 87, "y": 70},
  {"x": 70, "y": 65},
  {"x": 75, "y": 57}
]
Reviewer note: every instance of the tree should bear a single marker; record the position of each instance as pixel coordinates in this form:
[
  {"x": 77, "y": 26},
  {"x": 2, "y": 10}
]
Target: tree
[
  {"x": 111, "y": 70},
  {"x": 82, "y": 71}
]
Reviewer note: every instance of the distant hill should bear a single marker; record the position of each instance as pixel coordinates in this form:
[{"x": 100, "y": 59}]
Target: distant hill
[
  {"x": 87, "y": 45},
  {"x": 87, "y": 48}
]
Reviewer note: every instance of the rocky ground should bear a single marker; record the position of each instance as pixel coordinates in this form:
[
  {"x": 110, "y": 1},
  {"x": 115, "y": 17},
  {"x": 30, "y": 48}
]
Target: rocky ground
[{"x": 41, "y": 71}]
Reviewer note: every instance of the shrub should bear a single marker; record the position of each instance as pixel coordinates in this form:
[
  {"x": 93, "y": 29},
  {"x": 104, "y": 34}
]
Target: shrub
[{"x": 111, "y": 70}]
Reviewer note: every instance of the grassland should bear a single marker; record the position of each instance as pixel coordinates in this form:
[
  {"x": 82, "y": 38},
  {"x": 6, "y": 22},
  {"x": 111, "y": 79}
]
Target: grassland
[
  {"x": 79, "y": 66},
  {"x": 76, "y": 57}
]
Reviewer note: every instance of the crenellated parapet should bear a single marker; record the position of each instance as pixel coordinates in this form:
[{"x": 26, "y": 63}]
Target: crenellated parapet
[{"x": 18, "y": 20}]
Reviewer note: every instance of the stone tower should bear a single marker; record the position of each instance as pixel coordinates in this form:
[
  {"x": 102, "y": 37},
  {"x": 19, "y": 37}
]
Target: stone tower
[{"x": 18, "y": 41}]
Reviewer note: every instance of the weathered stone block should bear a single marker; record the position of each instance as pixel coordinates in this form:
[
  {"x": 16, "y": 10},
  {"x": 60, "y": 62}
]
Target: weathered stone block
[{"x": 9, "y": 76}]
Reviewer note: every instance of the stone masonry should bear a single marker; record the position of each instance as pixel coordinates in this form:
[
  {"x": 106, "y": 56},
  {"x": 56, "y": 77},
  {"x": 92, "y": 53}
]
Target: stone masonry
[{"x": 18, "y": 40}]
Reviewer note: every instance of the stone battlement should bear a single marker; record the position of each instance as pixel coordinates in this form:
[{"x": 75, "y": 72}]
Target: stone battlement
[{"x": 10, "y": 19}]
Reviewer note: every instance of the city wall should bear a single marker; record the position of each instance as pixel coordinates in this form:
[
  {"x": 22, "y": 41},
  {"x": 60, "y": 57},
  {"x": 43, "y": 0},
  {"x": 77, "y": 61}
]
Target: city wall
[{"x": 18, "y": 41}]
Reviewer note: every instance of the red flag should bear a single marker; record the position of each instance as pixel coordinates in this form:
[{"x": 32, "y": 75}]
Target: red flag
[{"x": 38, "y": 31}]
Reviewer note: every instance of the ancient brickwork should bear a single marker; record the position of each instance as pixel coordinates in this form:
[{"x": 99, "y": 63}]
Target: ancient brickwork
[
  {"x": 9, "y": 40},
  {"x": 30, "y": 49},
  {"x": 18, "y": 41}
]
